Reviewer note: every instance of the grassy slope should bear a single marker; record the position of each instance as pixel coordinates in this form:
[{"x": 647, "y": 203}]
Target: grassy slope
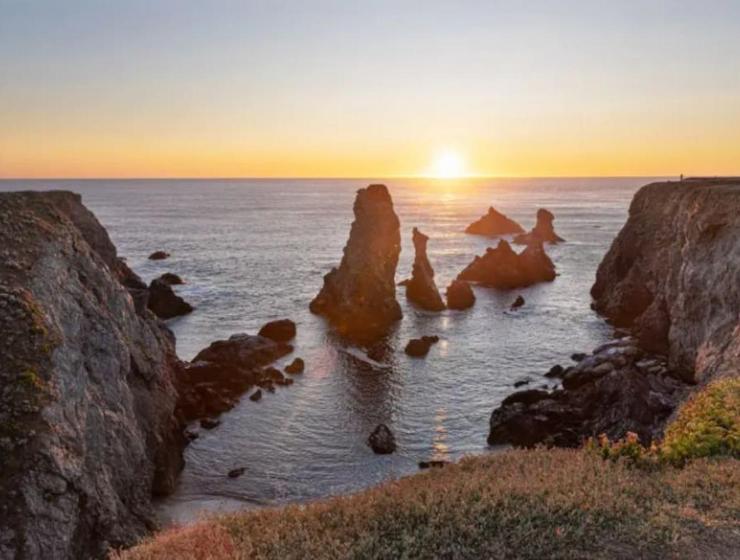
[{"x": 519, "y": 504}]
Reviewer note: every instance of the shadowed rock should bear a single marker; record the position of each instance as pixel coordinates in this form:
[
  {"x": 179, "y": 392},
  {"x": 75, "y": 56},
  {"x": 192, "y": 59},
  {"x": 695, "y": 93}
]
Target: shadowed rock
[
  {"x": 518, "y": 302},
  {"x": 459, "y": 295},
  {"x": 171, "y": 278},
  {"x": 359, "y": 297},
  {"x": 159, "y": 256},
  {"x": 543, "y": 231},
  {"x": 494, "y": 223},
  {"x": 165, "y": 303},
  {"x": 419, "y": 347},
  {"x": 505, "y": 269},
  {"x": 421, "y": 289},
  {"x": 281, "y": 330},
  {"x": 381, "y": 440},
  {"x": 295, "y": 367}
]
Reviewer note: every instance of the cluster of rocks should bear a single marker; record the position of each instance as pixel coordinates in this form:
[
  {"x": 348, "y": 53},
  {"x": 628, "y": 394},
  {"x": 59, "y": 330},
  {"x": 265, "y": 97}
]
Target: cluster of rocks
[
  {"x": 618, "y": 388},
  {"x": 506, "y": 269}
]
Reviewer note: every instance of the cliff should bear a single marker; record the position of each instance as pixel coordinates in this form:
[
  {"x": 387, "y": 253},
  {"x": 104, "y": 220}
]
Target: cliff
[
  {"x": 87, "y": 386},
  {"x": 673, "y": 275}
]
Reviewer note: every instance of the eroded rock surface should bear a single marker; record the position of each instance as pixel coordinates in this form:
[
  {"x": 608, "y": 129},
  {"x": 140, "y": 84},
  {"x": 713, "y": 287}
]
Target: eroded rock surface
[
  {"x": 542, "y": 232},
  {"x": 87, "y": 387},
  {"x": 359, "y": 297},
  {"x": 494, "y": 223},
  {"x": 421, "y": 288},
  {"x": 503, "y": 268},
  {"x": 673, "y": 275}
]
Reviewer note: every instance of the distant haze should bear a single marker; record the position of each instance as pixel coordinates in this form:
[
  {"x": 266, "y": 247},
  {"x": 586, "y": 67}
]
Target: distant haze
[{"x": 339, "y": 89}]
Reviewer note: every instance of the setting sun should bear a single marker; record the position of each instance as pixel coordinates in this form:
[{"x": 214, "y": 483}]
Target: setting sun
[{"x": 448, "y": 165}]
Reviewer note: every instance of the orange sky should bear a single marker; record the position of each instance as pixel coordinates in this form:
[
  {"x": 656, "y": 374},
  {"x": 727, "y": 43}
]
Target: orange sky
[{"x": 368, "y": 91}]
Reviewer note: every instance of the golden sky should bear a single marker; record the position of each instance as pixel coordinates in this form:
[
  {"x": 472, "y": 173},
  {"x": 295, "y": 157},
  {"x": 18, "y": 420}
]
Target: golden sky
[{"x": 381, "y": 89}]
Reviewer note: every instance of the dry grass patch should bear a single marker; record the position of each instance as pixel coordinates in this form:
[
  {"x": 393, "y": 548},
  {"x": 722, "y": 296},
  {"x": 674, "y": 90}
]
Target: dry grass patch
[{"x": 518, "y": 504}]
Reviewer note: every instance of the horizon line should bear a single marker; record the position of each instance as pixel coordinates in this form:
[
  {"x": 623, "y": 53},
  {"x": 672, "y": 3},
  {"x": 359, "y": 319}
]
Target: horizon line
[{"x": 350, "y": 178}]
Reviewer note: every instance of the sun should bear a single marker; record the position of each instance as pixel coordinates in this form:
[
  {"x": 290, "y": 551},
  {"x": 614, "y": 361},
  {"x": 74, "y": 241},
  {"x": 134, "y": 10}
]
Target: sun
[{"x": 448, "y": 165}]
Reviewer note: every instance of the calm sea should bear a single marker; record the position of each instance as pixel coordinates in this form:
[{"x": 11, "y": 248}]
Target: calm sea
[{"x": 256, "y": 250}]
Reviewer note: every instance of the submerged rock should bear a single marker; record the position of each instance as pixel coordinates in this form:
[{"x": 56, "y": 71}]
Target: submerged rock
[
  {"x": 421, "y": 289},
  {"x": 210, "y": 423},
  {"x": 87, "y": 387},
  {"x": 542, "y": 232},
  {"x": 236, "y": 473},
  {"x": 505, "y": 269},
  {"x": 165, "y": 303},
  {"x": 518, "y": 302},
  {"x": 381, "y": 440},
  {"x": 281, "y": 330},
  {"x": 459, "y": 295},
  {"x": 494, "y": 223},
  {"x": 359, "y": 297},
  {"x": 419, "y": 347},
  {"x": 159, "y": 256}
]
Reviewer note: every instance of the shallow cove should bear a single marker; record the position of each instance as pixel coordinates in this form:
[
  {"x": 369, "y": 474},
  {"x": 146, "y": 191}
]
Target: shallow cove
[{"x": 255, "y": 250}]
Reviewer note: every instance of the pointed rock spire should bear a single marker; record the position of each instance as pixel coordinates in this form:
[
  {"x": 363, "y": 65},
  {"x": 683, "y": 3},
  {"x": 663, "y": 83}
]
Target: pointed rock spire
[{"x": 421, "y": 289}]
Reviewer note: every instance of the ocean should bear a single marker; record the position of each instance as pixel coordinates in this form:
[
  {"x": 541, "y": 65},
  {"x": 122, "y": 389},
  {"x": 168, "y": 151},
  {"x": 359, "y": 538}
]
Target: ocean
[{"x": 256, "y": 250}]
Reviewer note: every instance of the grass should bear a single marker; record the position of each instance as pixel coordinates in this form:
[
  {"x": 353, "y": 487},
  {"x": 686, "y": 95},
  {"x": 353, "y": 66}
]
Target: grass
[{"x": 519, "y": 504}]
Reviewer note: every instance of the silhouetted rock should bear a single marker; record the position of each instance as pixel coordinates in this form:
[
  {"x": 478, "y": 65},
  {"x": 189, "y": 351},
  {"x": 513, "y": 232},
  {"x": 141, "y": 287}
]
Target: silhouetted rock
[
  {"x": 555, "y": 371},
  {"x": 256, "y": 396},
  {"x": 381, "y": 440},
  {"x": 505, "y": 269},
  {"x": 578, "y": 356},
  {"x": 171, "y": 278},
  {"x": 419, "y": 347},
  {"x": 165, "y": 303},
  {"x": 295, "y": 367},
  {"x": 518, "y": 302},
  {"x": 159, "y": 256},
  {"x": 421, "y": 289},
  {"x": 672, "y": 275},
  {"x": 282, "y": 330},
  {"x": 521, "y": 383},
  {"x": 236, "y": 473},
  {"x": 494, "y": 223},
  {"x": 459, "y": 295},
  {"x": 359, "y": 297},
  {"x": 543, "y": 231},
  {"x": 210, "y": 423}
]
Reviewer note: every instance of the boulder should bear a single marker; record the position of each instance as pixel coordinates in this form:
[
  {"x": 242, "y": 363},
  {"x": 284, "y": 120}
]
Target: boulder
[
  {"x": 494, "y": 223},
  {"x": 421, "y": 289},
  {"x": 159, "y": 256},
  {"x": 518, "y": 302},
  {"x": 503, "y": 268},
  {"x": 543, "y": 231},
  {"x": 459, "y": 295},
  {"x": 165, "y": 303},
  {"x": 382, "y": 440},
  {"x": 359, "y": 297},
  {"x": 256, "y": 396},
  {"x": 419, "y": 347},
  {"x": 295, "y": 367},
  {"x": 171, "y": 279},
  {"x": 88, "y": 387},
  {"x": 282, "y": 330}
]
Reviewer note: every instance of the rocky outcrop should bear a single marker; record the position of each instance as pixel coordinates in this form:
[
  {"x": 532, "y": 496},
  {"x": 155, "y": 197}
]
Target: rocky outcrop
[
  {"x": 218, "y": 376},
  {"x": 381, "y": 440},
  {"x": 672, "y": 275},
  {"x": 419, "y": 347},
  {"x": 459, "y": 295},
  {"x": 542, "y": 232},
  {"x": 164, "y": 302},
  {"x": 503, "y": 268},
  {"x": 617, "y": 389},
  {"x": 493, "y": 224},
  {"x": 281, "y": 330},
  {"x": 359, "y": 297},
  {"x": 159, "y": 256},
  {"x": 87, "y": 387},
  {"x": 421, "y": 289},
  {"x": 171, "y": 278}
]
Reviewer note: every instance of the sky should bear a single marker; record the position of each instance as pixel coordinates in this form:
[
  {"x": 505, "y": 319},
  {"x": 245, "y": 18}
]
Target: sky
[{"x": 368, "y": 89}]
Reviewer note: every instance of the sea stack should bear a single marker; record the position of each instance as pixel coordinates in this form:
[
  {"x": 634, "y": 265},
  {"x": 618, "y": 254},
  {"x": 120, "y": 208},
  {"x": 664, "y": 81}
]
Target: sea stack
[
  {"x": 460, "y": 295},
  {"x": 421, "y": 289},
  {"x": 503, "y": 268},
  {"x": 542, "y": 232},
  {"x": 359, "y": 297},
  {"x": 493, "y": 224}
]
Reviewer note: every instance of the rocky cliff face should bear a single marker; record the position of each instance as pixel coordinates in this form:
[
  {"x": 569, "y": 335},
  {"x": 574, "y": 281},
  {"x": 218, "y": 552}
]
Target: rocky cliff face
[
  {"x": 673, "y": 275},
  {"x": 359, "y": 297},
  {"x": 421, "y": 288},
  {"x": 87, "y": 386}
]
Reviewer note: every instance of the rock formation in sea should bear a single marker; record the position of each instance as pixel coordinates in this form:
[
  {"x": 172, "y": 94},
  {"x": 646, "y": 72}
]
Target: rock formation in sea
[
  {"x": 88, "y": 431},
  {"x": 164, "y": 302},
  {"x": 503, "y": 268},
  {"x": 672, "y": 275},
  {"x": 281, "y": 330},
  {"x": 671, "y": 278},
  {"x": 421, "y": 289},
  {"x": 381, "y": 440},
  {"x": 171, "y": 278},
  {"x": 159, "y": 256},
  {"x": 459, "y": 295},
  {"x": 542, "y": 232},
  {"x": 419, "y": 347},
  {"x": 494, "y": 223},
  {"x": 359, "y": 297}
]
